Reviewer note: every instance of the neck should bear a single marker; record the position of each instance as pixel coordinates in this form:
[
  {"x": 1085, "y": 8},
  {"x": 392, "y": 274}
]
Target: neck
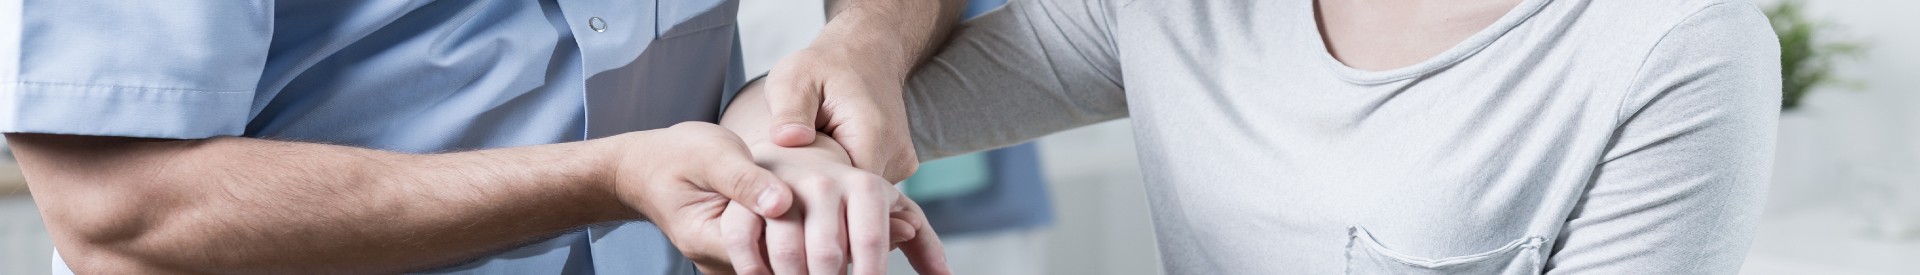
[{"x": 1386, "y": 34}]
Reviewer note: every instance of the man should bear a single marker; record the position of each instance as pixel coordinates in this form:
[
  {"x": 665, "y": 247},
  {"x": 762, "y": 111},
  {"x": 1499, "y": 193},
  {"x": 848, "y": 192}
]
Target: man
[
  {"x": 443, "y": 136},
  {"x": 1394, "y": 137}
]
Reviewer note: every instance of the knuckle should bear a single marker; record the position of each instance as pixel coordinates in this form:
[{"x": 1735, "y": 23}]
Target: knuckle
[
  {"x": 870, "y": 239},
  {"x": 865, "y": 184},
  {"x": 826, "y": 256},
  {"x": 753, "y": 267},
  {"x": 789, "y": 253},
  {"x": 813, "y": 183}
]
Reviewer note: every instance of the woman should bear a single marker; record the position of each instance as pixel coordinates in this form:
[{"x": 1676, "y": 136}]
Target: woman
[{"x": 1413, "y": 136}]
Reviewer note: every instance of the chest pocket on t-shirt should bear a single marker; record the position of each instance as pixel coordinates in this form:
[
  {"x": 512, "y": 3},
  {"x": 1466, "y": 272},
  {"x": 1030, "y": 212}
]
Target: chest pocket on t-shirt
[
  {"x": 682, "y": 76},
  {"x": 1366, "y": 255}
]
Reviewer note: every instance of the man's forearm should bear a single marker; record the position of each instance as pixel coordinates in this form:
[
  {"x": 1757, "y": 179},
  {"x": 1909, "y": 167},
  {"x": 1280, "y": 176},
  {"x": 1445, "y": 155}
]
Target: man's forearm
[
  {"x": 257, "y": 206},
  {"x": 900, "y": 33}
]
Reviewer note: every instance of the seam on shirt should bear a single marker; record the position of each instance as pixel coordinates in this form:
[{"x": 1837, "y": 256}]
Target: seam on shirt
[
  {"x": 79, "y": 85},
  {"x": 1620, "y": 112},
  {"x": 674, "y": 33},
  {"x": 1110, "y": 17}
]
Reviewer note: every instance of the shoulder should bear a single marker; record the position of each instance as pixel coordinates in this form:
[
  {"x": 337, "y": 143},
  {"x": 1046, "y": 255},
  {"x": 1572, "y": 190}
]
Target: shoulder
[
  {"x": 1658, "y": 19},
  {"x": 1651, "y": 30},
  {"x": 1706, "y": 57},
  {"x": 1688, "y": 34}
]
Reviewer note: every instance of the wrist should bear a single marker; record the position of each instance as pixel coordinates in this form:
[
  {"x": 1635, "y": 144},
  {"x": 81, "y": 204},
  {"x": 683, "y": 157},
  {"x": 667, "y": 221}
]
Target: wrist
[{"x": 603, "y": 159}]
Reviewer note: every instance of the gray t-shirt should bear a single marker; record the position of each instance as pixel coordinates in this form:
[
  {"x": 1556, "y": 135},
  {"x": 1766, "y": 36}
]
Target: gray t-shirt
[{"x": 1571, "y": 136}]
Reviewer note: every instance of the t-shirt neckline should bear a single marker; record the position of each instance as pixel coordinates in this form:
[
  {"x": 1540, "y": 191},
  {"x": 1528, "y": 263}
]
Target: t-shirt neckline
[{"x": 1466, "y": 48}]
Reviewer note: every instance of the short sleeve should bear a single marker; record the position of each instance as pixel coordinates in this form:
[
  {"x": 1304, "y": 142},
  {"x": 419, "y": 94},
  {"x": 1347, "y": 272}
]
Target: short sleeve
[{"x": 159, "y": 69}]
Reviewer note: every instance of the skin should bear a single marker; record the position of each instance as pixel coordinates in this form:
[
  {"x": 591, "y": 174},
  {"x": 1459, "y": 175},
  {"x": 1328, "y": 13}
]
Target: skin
[
  {"x": 240, "y": 205},
  {"x": 849, "y": 86},
  {"x": 1378, "y": 35},
  {"x": 842, "y": 213},
  {"x": 125, "y": 205},
  {"x": 848, "y": 83},
  {"x": 849, "y": 213}
]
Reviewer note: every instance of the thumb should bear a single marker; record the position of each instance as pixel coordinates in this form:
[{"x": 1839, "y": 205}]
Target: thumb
[
  {"x": 750, "y": 185},
  {"x": 794, "y": 100}
]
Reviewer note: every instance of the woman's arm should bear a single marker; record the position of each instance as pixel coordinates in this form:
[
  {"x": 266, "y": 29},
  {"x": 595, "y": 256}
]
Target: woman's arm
[
  {"x": 1681, "y": 186},
  {"x": 1032, "y": 68}
]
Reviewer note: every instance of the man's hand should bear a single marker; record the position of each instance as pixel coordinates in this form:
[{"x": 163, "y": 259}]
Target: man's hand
[
  {"x": 683, "y": 177},
  {"x": 848, "y": 83},
  {"x": 689, "y": 167},
  {"x": 843, "y": 214},
  {"x": 856, "y": 99}
]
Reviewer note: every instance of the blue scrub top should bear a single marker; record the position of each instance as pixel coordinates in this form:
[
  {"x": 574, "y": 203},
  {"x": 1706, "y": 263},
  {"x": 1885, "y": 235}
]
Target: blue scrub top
[{"x": 405, "y": 76}]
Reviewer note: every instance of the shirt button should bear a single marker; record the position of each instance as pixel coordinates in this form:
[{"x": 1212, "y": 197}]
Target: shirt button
[{"x": 596, "y": 24}]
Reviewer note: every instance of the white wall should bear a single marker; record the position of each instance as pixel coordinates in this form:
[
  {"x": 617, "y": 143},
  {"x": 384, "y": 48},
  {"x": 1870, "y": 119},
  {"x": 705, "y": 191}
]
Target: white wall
[
  {"x": 1851, "y": 154},
  {"x": 1844, "y": 134}
]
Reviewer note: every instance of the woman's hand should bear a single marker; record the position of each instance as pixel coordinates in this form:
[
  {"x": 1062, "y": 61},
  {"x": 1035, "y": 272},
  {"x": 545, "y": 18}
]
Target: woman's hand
[{"x": 840, "y": 214}]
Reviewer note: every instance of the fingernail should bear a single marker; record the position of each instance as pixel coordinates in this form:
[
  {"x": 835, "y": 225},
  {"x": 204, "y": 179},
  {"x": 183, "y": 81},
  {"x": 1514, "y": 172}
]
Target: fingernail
[
  {"x": 795, "y": 128},
  {"x": 768, "y": 198}
]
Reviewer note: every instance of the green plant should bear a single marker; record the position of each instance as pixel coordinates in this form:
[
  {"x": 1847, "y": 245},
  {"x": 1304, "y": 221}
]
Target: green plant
[{"x": 1806, "y": 57}]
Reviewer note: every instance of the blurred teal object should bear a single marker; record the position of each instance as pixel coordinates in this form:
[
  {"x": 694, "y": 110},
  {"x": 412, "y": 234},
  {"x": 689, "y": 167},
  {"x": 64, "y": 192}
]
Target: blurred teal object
[{"x": 948, "y": 177}]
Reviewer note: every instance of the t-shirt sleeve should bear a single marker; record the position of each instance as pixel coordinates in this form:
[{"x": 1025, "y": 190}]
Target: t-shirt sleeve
[
  {"x": 158, "y": 69},
  {"x": 1680, "y": 188},
  {"x": 1031, "y": 68}
]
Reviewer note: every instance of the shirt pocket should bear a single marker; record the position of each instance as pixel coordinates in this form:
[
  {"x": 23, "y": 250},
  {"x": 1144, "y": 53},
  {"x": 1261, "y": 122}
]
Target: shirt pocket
[
  {"x": 683, "y": 75},
  {"x": 678, "y": 17},
  {"x": 1366, "y": 255}
]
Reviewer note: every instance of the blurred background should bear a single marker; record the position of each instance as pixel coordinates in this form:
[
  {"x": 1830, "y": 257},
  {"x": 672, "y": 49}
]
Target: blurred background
[{"x": 1846, "y": 196}]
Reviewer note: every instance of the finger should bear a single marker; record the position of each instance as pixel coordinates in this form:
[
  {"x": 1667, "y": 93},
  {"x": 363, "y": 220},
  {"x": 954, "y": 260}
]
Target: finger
[
  {"x": 924, "y": 250},
  {"x": 868, "y": 224},
  {"x": 739, "y": 179},
  {"x": 742, "y": 229},
  {"x": 899, "y": 231},
  {"x": 826, "y": 232},
  {"x": 786, "y": 244},
  {"x": 794, "y": 99}
]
